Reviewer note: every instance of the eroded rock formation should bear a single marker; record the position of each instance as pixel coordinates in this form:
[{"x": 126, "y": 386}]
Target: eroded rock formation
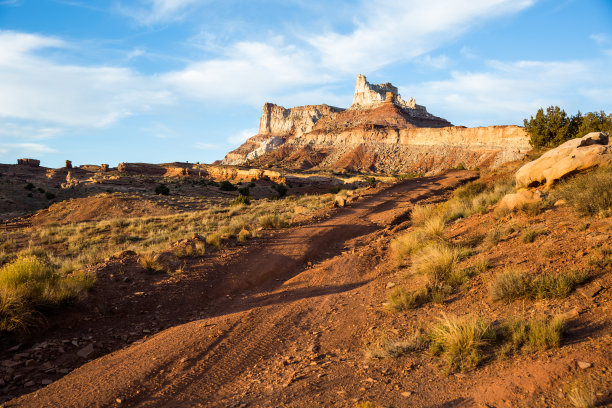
[{"x": 380, "y": 132}]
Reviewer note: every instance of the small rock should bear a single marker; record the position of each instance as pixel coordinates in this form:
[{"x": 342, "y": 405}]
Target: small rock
[
  {"x": 406, "y": 394},
  {"x": 591, "y": 291},
  {"x": 29, "y": 383},
  {"x": 138, "y": 293},
  {"x": 584, "y": 365},
  {"x": 390, "y": 285},
  {"x": 560, "y": 203},
  {"x": 15, "y": 348},
  {"x": 86, "y": 351},
  {"x": 46, "y": 381},
  {"x": 118, "y": 400}
]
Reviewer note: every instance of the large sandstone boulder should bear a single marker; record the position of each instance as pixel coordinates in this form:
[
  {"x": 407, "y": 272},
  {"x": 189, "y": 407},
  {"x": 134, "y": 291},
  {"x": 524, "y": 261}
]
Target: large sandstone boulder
[
  {"x": 571, "y": 157},
  {"x": 520, "y": 199}
]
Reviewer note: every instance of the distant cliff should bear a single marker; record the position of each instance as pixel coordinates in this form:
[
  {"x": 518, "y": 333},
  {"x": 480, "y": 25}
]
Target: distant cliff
[{"x": 380, "y": 132}]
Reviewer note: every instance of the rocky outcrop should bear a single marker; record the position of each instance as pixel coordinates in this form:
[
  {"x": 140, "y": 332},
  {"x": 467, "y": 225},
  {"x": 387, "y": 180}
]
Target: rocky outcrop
[
  {"x": 141, "y": 168},
  {"x": 28, "y": 162},
  {"x": 380, "y": 132},
  {"x": 573, "y": 156},
  {"x": 594, "y": 149},
  {"x": 276, "y": 120}
]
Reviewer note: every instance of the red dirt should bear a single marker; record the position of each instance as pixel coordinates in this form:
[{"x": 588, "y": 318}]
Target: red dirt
[{"x": 285, "y": 320}]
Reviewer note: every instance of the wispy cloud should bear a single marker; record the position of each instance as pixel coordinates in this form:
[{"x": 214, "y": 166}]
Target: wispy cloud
[
  {"x": 148, "y": 12},
  {"x": 399, "y": 30},
  {"x": 512, "y": 90},
  {"x": 36, "y": 88},
  {"x": 241, "y": 137},
  {"x": 24, "y": 149},
  {"x": 601, "y": 38}
]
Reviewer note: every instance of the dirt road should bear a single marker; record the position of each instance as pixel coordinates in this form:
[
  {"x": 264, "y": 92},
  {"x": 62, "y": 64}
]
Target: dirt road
[{"x": 287, "y": 328}]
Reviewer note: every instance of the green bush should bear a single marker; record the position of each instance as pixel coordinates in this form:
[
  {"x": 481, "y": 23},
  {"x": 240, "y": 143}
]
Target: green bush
[
  {"x": 162, "y": 189},
  {"x": 241, "y": 199},
  {"x": 281, "y": 189},
  {"x": 227, "y": 186},
  {"x": 244, "y": 191},
  {"x": 554, "y": 127}
]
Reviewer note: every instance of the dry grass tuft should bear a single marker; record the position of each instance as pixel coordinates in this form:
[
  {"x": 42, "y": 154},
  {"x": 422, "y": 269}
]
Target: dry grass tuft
[
  {"x": 150, "y": 263},
  {"x": 397, "y": 347},
  {"x": 400, "y": 299},
  {"x": 589, "y": 194},
  {"x": 581, "y": 394},
  {"x": 511, "y": 285},
  {"x": 30, "y": 284},
  {"x": 460, "y": 340}
]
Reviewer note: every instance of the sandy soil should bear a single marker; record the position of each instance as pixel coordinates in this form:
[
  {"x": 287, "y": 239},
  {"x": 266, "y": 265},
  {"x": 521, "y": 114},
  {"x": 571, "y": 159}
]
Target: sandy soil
[{"x": 286, "y": 319}]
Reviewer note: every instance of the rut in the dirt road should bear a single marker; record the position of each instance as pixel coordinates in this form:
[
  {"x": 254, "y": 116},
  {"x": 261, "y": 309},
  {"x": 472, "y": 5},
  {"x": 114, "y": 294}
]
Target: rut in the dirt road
[{"x": 203, "y": 362}]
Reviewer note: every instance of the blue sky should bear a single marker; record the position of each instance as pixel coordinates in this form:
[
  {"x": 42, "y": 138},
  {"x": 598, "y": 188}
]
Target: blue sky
[{"x": 106, "y": 81}]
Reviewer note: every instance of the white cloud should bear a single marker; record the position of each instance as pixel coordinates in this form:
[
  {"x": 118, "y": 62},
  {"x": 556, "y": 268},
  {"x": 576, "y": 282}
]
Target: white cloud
[
  {"x": 150, "y": 12},
  {"x": 248, "y": 72},
  {"x": 37, "y": 88},
  {"x": 601, "y": 38},
  {"x": 24, "y": 149},
  {"x": 438, "y": 62},
  {"x": 399, "y": 30},
  {"x": 241, "y": 137},
  {"x": 23, "y": 131},
  {"x": 510, "y": 91}
]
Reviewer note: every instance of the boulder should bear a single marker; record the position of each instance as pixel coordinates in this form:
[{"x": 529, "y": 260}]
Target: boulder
[
  {"x": 519, "y": 199},
  {"x": 576, "y": 155}
]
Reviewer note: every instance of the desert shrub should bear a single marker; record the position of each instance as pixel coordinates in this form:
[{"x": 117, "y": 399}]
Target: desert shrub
[
  {"x": 545, "y": 333},
  {"x": 281, "y": 190},
  {"x": 29, "y": 186},
  {"x": 400, "y": 299},
  {"x": 589, "y": 194},
  {"x": 511, "y": 285},
  {"x": 604, "y": 259},
  {"x": 244, "y": 191},
  {"x": 226, "y": 185},
  {"x": 241, "y": 199},
  {"x": 243, "y": 235},
  {"x": 30, "y": 284},
  {"x": 581, "y": 394},
  {"x": 460, "y": 340},
  {"x": 196, "y": 249},
  {"x": 470, "y": 190},
  {"x": 430, "y": 232},
  {"x": 438, "y": 262},
  {"x": 397, "y": 347},
  {"x": 272, "y": 221},
  {"x": 214, "y": 239},
  {"x": 530, "y": 235},
  {"x": 49, "y": 195},
  {"x": 162, "y": 189},
  {"x": 421, "y": 213},
  {"x": 149, "y": 263}
]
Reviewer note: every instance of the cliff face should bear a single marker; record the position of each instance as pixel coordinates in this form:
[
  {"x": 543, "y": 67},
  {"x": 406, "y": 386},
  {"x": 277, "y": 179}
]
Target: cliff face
[
  {"x": 276, "y": 120},
  {"x": 380, "y": 132}
]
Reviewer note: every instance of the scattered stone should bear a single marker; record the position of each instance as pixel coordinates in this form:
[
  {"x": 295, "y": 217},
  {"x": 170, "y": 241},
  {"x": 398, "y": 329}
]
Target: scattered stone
[
  {"x": 339, "y": 202},
  {"x": 29, "y": 384},
  {"x": 118, "y": 400},
  {"x": 584, "y": 365},
  {"x": 560, "y": 203},
  {"x": 14, "y": 348},
  {"x": 591, "y": 291},
  {"x": 86, "y": 351},
  {"x": 406, "y": 393},
  {"x": 390, "y": 285},
  {"x": 46, "y": 381}
]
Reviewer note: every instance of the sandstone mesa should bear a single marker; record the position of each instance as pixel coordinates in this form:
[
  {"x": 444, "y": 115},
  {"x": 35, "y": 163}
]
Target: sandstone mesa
[{"x": 380, "y": 132}]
